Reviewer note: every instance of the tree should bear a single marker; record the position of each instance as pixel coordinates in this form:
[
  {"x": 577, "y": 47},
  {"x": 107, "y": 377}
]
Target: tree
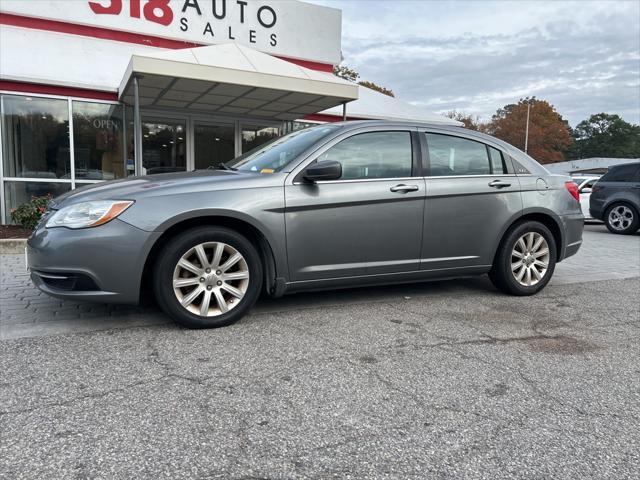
[
  {"x": 469, "y": 121},
  {"x": 605, "y": 135},
  {"x": 377, "y": 88},
  {"x": 549, "y": 133},
  {"x": 345, "y": 72},
  {"x": 351, "y": 75}
]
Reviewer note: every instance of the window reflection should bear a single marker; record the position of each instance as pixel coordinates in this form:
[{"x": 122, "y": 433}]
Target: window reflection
[
  {"x": 295, "y": 125},
  {"x": 35, "y": 137},
  {"x": 254, "y": 135},
  {"x": 17, "y": 193},
  {"x": 97, "y": 141}
]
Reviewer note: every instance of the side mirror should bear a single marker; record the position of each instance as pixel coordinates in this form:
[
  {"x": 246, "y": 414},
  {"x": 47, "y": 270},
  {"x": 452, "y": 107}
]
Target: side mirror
[
  {"x": 328, "y": 170},
  {"x": 586, "y": 190}
]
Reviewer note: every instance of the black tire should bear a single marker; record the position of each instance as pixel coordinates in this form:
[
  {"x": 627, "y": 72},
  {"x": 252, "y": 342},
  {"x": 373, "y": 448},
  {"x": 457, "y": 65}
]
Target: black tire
[
  {"x": 172, "y": 253},
  {"x": 501, "y": 273},
  {"x": 633, "y": 225}
]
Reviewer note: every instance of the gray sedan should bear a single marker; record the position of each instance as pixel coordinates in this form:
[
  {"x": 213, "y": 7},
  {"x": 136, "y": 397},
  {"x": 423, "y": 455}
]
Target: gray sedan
[{"x": 336, "y": 205}]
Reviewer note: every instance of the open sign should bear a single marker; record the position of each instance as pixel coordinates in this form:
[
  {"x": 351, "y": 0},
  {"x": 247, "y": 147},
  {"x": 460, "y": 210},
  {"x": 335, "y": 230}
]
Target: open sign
[{"x": 105, "y": 124}]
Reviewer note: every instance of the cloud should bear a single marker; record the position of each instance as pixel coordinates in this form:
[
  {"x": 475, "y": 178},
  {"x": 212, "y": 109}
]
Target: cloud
[{"x": 583, "y": 57}]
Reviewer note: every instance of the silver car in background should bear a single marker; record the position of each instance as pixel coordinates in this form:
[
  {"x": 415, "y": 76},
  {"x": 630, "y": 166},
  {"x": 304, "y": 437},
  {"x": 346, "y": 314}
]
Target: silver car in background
[{"x": 336, "y": 205}]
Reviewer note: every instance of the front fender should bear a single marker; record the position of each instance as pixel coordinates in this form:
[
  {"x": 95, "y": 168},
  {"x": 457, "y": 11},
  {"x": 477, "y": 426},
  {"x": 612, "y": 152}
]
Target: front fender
[{"x": 260, "y": 208}]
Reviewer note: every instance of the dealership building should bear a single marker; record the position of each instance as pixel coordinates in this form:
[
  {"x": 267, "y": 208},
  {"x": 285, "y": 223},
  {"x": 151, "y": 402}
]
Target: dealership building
[{"x": 95, "y": 90}]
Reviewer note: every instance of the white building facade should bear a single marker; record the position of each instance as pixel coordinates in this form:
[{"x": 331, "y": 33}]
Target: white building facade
[
  {"x": 94, "y": 90},
  {"x": 595, "y": 165}
]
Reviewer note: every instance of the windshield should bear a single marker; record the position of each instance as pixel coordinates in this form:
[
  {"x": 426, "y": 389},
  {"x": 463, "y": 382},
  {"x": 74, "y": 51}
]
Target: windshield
[{"x": 276, "y": 154}]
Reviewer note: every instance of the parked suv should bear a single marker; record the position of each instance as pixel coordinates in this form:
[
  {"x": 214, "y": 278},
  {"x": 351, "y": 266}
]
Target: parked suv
[
  {"x": 615, "y": 199},
  {"x": 336, "y": 205}
]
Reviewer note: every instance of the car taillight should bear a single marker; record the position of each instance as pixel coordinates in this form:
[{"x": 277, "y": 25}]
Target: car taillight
[{"x": 573, "y": 190}]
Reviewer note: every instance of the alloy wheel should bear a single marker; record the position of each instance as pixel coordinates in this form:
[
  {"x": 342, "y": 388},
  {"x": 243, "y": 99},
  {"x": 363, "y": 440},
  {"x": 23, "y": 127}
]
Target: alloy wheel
[
  {"x": 210, "y": 279},
  {"x": 530, "y": 259},
  {"x": 620, "y": 217}
]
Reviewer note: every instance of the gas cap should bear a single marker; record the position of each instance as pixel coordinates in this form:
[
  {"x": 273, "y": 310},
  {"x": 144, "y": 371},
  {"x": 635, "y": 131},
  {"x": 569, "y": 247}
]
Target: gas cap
[{"x": 542, "y": 186}]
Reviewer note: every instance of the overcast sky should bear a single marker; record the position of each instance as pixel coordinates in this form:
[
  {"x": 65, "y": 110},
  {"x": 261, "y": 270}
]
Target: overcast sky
[{"x": 477, "y": 56}]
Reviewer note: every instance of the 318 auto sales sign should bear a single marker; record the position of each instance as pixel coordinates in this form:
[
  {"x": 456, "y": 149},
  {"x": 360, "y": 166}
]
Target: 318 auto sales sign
[{"x": 281, "y": 27}]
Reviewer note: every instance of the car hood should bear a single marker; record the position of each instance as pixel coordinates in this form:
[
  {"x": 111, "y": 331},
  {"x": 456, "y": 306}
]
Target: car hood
[{"x": 154, "y": 185}]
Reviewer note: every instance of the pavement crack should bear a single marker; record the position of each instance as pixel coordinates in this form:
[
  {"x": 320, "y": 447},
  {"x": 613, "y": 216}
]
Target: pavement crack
[{"x": 79, "y": 398}]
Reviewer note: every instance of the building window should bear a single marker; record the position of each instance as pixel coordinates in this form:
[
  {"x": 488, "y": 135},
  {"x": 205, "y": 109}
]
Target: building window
[
  {"x": 35, "y": 137},
  {"x": 130, "y": 163},
  {"x": 98, "y": 136},
  {"x": 18, "y": 192},
  {"x": 213, "y": 145},
  {"x": 255, "y": 135},
  {"x": 164, "y": 146}
]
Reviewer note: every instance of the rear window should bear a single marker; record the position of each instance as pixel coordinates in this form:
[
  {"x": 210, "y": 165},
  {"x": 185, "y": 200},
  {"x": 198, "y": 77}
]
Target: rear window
[
  {"x": 450, "y": 155},
  {"x": 625, "y": 173}
]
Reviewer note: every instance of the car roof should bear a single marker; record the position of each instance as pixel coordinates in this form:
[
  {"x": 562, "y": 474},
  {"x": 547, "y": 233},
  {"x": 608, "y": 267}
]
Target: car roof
[
  {"x": 620, "y": 165},
  {"x": 374, "y": 123}
]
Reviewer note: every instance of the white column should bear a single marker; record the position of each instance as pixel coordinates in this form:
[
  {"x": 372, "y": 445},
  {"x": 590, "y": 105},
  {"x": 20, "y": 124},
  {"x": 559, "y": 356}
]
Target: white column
[{"x": 137, "y": 128}]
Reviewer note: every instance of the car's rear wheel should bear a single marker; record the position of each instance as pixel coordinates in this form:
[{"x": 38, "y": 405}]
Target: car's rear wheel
[
  {"x": 621, "y": 218},
  {"x": 525, "y": 260},
  {"x": 208, "y": 277}
]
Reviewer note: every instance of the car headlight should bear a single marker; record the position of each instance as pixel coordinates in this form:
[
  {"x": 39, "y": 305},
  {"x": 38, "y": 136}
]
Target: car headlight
[{"x": 88, "y": 214}]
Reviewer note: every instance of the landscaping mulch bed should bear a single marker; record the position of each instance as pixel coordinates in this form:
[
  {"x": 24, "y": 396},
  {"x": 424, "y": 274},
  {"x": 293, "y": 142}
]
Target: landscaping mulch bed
[{"x": 13, "y": 231}]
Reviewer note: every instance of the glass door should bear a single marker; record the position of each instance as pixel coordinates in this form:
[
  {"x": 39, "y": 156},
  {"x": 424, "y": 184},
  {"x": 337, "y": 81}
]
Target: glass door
[
  {"x": 164, "y": 145},
  {"x": 212, "y": 144}
]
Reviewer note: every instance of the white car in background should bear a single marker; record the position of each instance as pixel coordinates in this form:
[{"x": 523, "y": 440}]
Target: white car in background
[{"x": 585, "y": 184}]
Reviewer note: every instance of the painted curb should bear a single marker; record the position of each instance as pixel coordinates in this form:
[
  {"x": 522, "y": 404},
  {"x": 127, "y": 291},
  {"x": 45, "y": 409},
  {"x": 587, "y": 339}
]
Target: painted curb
[{"x": 11, "y": 246}]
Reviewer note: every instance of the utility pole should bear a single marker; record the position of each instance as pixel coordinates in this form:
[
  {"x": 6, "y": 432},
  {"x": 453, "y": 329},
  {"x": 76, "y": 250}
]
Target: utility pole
[{"x": 526, "y": 134}]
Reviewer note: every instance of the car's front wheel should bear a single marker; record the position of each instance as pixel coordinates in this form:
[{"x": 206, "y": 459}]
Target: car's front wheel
[
  {"x": 208, "y": 277},
  {"x": 525, "y": 260},
  {"x": 621, "y": 218}
]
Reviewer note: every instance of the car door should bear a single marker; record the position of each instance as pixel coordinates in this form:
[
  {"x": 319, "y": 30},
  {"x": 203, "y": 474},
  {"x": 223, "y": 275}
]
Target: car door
[
  {"x": 622, "y": 183},
  {"x": 471, "y": 197},
  {"x": 367, "y": 222}
]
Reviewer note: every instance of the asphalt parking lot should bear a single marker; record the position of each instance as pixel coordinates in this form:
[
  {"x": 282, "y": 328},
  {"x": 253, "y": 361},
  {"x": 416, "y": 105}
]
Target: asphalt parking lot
[{"x": 436, "y": 380}]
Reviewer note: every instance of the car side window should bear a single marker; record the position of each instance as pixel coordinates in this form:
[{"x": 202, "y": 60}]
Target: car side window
[
  {"x": 450, "y": 155},
  {"x": 372, "y": 155},
  {"x": 497, "y": 162}
]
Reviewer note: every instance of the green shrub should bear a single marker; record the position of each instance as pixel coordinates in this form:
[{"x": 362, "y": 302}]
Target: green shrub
[{"x": 28, "y": 214}]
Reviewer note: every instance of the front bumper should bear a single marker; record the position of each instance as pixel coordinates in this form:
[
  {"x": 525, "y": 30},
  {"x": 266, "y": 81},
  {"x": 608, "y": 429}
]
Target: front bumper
[{"x": 102, "y": 264}]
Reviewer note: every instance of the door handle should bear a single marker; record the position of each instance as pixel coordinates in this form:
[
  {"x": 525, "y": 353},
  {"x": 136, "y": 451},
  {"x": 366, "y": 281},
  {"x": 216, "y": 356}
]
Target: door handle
[
  {"x": 499, "y": 184},
  {"x": 404, "y": 188}
]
